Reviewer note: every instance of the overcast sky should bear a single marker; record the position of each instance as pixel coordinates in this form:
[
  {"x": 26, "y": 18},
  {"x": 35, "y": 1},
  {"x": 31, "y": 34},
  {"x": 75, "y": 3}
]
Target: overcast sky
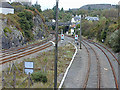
[{"x": 66, "y": 4}]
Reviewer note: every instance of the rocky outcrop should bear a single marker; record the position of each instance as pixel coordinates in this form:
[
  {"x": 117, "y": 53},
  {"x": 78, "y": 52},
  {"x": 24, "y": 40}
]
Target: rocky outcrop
[
  {"x": 12, "y": 37},
  {"x": 38, "y": 29}
]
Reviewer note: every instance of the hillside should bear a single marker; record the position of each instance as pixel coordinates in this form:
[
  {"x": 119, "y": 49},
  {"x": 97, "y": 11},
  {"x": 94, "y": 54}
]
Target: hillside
[
  {"x": 24, "y": 26},
  {"x": 98, "y": 6}
]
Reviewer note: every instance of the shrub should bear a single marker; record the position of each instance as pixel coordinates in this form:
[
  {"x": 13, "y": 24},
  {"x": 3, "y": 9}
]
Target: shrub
[
  {"x": 39, "y": 77},
  {"x": 6, "y": 29},
  {"x": 114, "y": 41}
]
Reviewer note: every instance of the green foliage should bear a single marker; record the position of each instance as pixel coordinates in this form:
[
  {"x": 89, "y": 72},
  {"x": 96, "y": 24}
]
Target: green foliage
[
  {"x": 26, "y": 23},
  {"x": 54, "y": 9},
  {"x": 39, "y": 77},
  {"x": 114, "y": 41},
  {"x": 38, "y": 7},
  {"x": 103, "y": 35},
  {"x": 89, "y": 8},
  {"x": 48, "y": 14},
  {"x": 30, "y": 8},
  {"x": 19, "y": 8},
  {"x": 15, "y": 4},
  {"x": 6, "y": 29},
  {"x": 62, "y": 10}
]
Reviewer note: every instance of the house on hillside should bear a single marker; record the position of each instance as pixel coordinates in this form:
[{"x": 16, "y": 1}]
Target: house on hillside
[
  {"x": 76, "y": 19},
  {"x": 72, "y": 29},
  {"x": 92, "y": 18},
  {"x": 6, "y": 8}
]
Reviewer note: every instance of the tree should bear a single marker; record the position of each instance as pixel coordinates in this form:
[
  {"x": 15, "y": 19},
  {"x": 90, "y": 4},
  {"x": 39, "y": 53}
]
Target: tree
[
  {"x": 89, "y": 8},
  {"x": 62, "y": 10},
  {"x": 38, "y": 7},
  {"x": 54, "y": 9},
  {"x": 48, "y": 14},
  {"x": 26, "y": 23}
]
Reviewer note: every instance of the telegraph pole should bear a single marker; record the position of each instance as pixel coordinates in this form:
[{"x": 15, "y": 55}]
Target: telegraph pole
[
  {"x": 56, "y": 48},
  {"x": 80, "y": 32}
]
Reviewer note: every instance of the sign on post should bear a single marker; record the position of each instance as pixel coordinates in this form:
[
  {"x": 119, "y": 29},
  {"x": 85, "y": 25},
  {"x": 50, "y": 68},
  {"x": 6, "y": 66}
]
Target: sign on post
[
  {"x": 29, "y": 67},
  {"x": 62, "y": 36},
  {"x": 76, "y": 37}
]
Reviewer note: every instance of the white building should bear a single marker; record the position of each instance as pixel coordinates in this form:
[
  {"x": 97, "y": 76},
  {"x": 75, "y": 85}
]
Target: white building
[
  {"x": 72, "y": 29},
  {"x": 92, "y": 18},
  {"x": 6, "y": 8},
  {"x": 76, "y": 19}
]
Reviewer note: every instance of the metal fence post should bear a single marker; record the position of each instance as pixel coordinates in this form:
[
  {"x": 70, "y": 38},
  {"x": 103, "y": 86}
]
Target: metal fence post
[
  {"x": 119, "y": 71},
  {"x": 2, "y": 79},
  {"x": 29, "y": 80},
  {"x": 80, "y": 32},
  {"x": 14, "y": 79}
]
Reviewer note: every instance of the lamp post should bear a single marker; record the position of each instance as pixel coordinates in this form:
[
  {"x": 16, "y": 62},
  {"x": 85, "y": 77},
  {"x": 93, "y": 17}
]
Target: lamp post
[
  {"x": 56, "y": 48},
  {"x": 80, "y": 32}
]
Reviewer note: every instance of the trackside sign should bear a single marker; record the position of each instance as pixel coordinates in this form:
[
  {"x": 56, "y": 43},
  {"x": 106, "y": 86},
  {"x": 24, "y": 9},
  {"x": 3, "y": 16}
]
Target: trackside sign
[
  {"x": 62, "y": 36},
  {"x": 76, "y": 37}
]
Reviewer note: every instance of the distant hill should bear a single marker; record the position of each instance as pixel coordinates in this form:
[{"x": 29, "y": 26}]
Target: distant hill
[{"x": 98, "y": 6}]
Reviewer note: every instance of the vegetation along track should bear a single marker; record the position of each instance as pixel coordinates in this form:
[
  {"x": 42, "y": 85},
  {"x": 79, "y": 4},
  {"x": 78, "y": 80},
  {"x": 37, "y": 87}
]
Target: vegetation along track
[
  {"x": 23, "y": 53},
  {"x": 115, "y": 78},
  {"x": 98, "y": 67}
]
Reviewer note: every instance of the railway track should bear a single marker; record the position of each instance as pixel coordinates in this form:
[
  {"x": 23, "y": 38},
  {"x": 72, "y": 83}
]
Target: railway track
[
  {"x": 23, "y": 54},
  {"x": 89, "y": 64},
  {"x": 108, "y": 59},
  {"x": 113, "y": 71},
  {"x": 22, "y": 49},
  {"x": 105, "y": 49},
  {"x": 18, "y": 53},
  {"x": 88, "y": 70}
]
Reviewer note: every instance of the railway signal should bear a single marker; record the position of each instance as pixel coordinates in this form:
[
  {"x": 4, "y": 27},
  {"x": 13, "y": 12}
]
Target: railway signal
[
  {"x": 62, "y": 36},
  {"x": 76, "y": 37}
]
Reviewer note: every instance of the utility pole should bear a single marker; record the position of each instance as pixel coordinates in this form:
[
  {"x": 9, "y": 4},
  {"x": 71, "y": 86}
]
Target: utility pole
[
  {"x": 80, "y": 32},
  {"x": 56, "y": 48},
  {"x": 119, "y": 52}
]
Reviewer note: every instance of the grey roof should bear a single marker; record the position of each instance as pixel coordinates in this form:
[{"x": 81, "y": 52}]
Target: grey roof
[
  {"x": 5, "y": 5},
  {"x": 76, "y": 18}
]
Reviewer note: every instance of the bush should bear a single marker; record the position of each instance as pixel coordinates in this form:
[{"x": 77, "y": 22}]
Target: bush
[
  {"x": 39, "y": 77},
  {"x": 6, "y": 29},
  {"x": 114, "y": 41}
]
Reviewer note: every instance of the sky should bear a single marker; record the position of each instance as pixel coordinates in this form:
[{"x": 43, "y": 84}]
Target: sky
[{"x": 66, "y": 4}]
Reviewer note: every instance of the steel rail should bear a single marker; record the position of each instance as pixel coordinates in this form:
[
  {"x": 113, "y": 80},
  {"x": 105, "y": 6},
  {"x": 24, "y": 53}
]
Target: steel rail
[
  {"x": 98, "y": 66},
  {"x": 88, "y": 70},
  {"x": 116, "y": 83},
  {"x": 106, "y": 49},
  {"x": 15, "y": 57},
  {"x": 23, "y": 48}
]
